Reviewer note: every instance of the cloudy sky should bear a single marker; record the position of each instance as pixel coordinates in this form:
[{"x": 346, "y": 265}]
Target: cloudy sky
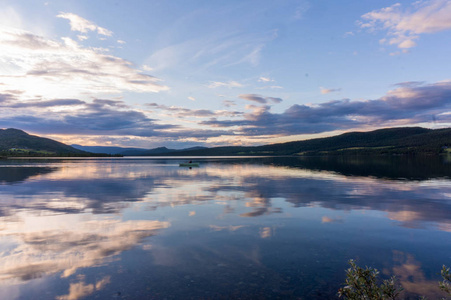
[{"x": 176, "y": 73}]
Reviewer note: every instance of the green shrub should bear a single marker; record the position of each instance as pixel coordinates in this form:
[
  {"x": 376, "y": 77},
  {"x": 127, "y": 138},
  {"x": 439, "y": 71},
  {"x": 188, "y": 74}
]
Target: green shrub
[{"x": 362, "y": 284}]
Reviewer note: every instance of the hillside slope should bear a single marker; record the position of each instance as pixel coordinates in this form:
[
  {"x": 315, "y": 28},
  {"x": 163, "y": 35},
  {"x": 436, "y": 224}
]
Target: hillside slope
[
  {"x": 406, "y": 140},
  {"x": 15, "y": 142}
]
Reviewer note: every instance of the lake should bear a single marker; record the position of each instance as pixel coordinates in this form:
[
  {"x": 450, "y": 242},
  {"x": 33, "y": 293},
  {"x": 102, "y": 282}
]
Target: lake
[{"x": 246, "y": 228}]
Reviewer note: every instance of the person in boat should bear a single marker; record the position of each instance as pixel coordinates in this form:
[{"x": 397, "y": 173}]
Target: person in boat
[{"x": 190, "y": 162}]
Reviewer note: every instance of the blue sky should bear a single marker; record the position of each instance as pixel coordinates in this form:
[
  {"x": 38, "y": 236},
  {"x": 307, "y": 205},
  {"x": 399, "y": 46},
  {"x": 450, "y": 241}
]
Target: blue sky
[{"x": 185, "y": 73}]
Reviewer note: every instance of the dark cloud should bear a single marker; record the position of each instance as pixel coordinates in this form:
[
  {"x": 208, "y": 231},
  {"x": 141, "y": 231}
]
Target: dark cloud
[
  {"x": 181, "y": 112},
  {"x": 411, "y": 103},
  {"x": 99, "y": 117},
  {"x": 49, "y": 103},
  {"x": 259, "y": 99},
  {"x": 228, "y": 103}
]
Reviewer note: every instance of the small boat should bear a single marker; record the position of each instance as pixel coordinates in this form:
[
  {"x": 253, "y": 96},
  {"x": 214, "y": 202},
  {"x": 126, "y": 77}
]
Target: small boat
[{"x": 189, "y": 164}]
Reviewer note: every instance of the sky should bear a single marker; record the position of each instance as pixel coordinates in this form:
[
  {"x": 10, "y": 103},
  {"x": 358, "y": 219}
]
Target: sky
[{"x": 177, "y": 73}]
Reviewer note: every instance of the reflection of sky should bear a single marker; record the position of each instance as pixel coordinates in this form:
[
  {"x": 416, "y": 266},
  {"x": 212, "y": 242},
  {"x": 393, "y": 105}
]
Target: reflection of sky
[
  {"x": 106, "y": 188},
  {"x": 67, "y": 217}
]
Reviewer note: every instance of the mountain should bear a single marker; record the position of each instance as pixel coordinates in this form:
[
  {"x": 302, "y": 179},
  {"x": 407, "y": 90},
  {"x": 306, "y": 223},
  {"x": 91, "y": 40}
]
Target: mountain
[
  {"x": 15, "y": 142},
  {"x": 105, "y": 149},
  {"x": 160, "y": 151},
  {"x": 405, "y": 140},
  {"x": 131, "y": 151}
]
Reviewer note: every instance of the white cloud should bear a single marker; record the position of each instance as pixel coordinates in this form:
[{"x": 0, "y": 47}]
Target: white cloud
[
  {"x": 48, "y": 68},
  {"x": 121, "y": 42},
  {"x": 301, "y": 10},
  {"x": 10, "y": 17},
  {"x": 82, "y": 37},
  {"x": 192, "y": 98},
  {"x": 265, "y": 79},
  {"x": 216, "y": 49},
  {"x": 80, "y": 24},
  {"x": 146, "y": 68},
  {"x": 273, "y": 87},
  {"x": 404, "y": 26},
  {"x": 230, "y": 84},
  {"x": 328, "y": 91}
]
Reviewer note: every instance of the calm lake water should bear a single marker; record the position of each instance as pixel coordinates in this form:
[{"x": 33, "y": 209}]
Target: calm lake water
[{"x": 258, "y": 228}]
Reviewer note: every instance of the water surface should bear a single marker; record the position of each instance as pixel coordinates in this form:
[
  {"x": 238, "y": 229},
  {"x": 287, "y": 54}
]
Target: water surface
[{"x": 265, "y": 228}]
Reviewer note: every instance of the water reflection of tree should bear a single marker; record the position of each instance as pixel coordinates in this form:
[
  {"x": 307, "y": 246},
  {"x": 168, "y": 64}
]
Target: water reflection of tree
[{"x": 10, "y": 175}]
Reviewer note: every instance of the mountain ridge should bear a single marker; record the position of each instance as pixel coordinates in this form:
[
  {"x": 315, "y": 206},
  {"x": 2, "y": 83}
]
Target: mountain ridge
[
  {"x": 16, "y": 142},
  {"x": 399, "y": 140}
]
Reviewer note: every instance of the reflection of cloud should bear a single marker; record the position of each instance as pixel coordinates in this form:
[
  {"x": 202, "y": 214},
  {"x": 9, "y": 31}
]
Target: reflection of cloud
[
  {"x": 108, "y": 190},
  {"x": 80, "y": 289},
  {"x": 266, "y": 232},
  {"x": 192, "y": 213},
  {"x": 404, "y": 216},
  {"x": 326, "y": 219},
  {"x": 229, "y": 228},
  {"x": 409, "y": 273},
  {"x": 416, "y": 204},
  {"x": 46, "y": 251}
]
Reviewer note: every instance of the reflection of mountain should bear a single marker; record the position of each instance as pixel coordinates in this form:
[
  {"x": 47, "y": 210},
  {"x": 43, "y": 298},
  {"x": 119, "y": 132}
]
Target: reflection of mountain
[
  {"x": 9, "y": 175},
  {"x": 109, "y": 187},
  {"x": 386, "y": 167}
]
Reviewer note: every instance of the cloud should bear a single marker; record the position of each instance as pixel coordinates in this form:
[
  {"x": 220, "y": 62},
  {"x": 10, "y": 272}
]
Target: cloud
[
  {"x": 301, "y": 10},
  {"x": 46, "y": 104},
  {"x": 82, "y": 25},
  {"x": 265, "y": 79},
  {"x": 328, "y": 91},
  {"x": 181, "y": 112},
  {"x": 405, "y": 25},
  {"x": 226, "y": 48},
  {"x": 408, "y": 103},
  {"x": 230, "y": 84},
  {"x": 48, "y": 68},
  {"x": 101, "y": 116},
  {"x": 259, "y": 99},
  {"x": 228, "y": 103}
]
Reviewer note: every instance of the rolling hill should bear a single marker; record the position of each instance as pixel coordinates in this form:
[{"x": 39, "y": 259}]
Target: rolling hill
[
  {"x": 15, "y": 142},
  {"x": 131, "y": 151},
  {"x": 389, "y": 141},
  {"x": 405, "y": 140}
]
